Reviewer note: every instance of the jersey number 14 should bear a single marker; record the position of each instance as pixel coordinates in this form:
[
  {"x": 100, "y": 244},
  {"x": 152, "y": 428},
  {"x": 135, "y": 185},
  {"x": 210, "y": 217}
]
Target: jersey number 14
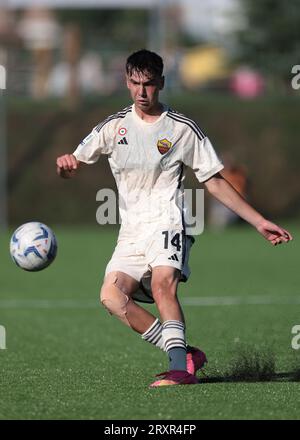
[{"x": 174, "y": 241}]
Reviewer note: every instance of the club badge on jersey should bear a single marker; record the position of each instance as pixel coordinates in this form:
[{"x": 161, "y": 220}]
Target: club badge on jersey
[{"x": 163, "y": 145}]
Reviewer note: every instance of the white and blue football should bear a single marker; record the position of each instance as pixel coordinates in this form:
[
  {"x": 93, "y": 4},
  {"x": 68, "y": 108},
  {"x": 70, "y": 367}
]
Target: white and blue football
[{"x": 33, "y": 246}]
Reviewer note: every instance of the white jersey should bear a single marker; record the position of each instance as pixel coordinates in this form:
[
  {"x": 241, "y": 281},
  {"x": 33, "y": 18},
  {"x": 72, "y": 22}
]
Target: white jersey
[{"x": 148, "y": 162}]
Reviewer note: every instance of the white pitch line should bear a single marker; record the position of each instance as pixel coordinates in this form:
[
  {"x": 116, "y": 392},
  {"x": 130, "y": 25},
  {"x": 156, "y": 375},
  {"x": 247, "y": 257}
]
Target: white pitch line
[
  {"x": 201, "y": 301},
  {"x": 48, "y": 304},
  {"x": 240, "y": 300}
]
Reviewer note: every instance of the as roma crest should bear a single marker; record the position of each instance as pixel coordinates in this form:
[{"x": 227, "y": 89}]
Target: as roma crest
[{"x": 163, "y": 146}]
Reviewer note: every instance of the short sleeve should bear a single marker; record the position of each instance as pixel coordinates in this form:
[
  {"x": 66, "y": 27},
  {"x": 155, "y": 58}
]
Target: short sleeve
[
  {"x": 200, "y": 156},
  {"x": 96, "y": 143}
]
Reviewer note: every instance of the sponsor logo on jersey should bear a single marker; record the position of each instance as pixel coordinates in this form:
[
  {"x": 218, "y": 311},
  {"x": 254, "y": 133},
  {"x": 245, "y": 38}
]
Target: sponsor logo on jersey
[
  {"x": 123, "y": 141},
  {"x": 122, "y": 131},
  {"x": 163, "y": 145}
]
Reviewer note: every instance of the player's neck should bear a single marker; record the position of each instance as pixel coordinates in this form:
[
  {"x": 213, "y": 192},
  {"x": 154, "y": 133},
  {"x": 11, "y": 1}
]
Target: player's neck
[{"x": 151, "y": 114}]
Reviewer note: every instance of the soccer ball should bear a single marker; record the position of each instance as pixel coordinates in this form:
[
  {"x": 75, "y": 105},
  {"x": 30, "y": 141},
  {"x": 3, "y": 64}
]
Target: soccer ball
[{"x": 33, "y": 246}]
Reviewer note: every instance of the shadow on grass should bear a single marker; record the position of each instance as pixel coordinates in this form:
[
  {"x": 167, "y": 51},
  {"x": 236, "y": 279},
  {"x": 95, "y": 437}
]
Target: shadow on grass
[
  {"x": 252, "y": 364},
  {"x": 276, "y": 377}
]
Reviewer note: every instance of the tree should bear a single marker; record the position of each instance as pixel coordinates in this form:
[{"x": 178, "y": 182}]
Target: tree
[{"x": 270, "y": 39}]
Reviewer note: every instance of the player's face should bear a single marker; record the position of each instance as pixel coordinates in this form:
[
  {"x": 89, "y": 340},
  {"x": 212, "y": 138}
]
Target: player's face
[{"x": 144, "y": 90}]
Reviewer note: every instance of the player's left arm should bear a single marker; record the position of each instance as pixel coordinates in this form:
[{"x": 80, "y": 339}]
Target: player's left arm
[{"x": 223, "y": 191}]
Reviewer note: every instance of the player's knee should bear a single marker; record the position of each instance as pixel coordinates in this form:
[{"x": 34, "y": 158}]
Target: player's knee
[
  {"x": 164, "y": 287},
  {"x": 113, "y": 299}
]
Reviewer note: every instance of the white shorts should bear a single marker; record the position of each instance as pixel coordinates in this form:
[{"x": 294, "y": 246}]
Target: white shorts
[{"x": 138, "y": 256}]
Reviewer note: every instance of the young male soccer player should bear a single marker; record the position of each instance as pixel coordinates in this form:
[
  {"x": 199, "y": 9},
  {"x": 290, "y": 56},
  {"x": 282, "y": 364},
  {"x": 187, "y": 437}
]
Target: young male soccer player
[{"x": 149, "y": 147}]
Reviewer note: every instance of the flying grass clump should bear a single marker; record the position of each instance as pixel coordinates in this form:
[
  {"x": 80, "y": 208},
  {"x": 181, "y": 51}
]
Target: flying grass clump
[{"x": 251, "y": 364}]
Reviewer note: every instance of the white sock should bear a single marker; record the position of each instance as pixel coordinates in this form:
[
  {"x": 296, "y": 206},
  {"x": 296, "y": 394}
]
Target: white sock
[
  {"x": 154, "y": 335},
  {"x": 173, "y": 334}
]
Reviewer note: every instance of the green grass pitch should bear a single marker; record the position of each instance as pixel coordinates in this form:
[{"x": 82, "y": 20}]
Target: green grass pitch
[{"x": 66, "y": 358}]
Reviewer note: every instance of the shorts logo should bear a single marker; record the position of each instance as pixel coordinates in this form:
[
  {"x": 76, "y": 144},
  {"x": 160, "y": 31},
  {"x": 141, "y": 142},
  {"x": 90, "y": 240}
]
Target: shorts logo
[
  {"x": 173, "y": 257},
  {"x": 163, "y": 146},
  {"x": 122, "y": 131}
]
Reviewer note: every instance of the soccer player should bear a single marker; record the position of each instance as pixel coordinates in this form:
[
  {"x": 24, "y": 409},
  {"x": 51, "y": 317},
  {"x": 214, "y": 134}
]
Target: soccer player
[{"x": 149, "y": 146}]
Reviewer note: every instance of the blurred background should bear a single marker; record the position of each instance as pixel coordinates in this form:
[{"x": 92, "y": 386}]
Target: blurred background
[{"x": 231, "y": 65}]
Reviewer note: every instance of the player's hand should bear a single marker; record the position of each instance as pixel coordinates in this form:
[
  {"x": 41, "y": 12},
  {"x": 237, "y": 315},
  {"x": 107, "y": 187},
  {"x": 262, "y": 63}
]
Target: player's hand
[
  {"x": 67, "y": 165},
  {"x": 273, "y": 233}
]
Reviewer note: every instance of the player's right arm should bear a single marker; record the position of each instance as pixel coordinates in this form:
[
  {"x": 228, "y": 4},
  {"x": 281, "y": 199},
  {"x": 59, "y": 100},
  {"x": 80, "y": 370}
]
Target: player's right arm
[
  {"x": 98, "y": 141},
  {"x": 67, "y": 166}
]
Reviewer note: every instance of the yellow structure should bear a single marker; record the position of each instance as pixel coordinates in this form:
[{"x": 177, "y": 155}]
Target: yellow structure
[{"x": 203, "y": 64}]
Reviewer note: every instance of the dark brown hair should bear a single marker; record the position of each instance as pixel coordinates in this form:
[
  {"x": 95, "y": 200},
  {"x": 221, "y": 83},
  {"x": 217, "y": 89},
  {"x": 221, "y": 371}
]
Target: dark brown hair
[{"x": 145, "y": 61}]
